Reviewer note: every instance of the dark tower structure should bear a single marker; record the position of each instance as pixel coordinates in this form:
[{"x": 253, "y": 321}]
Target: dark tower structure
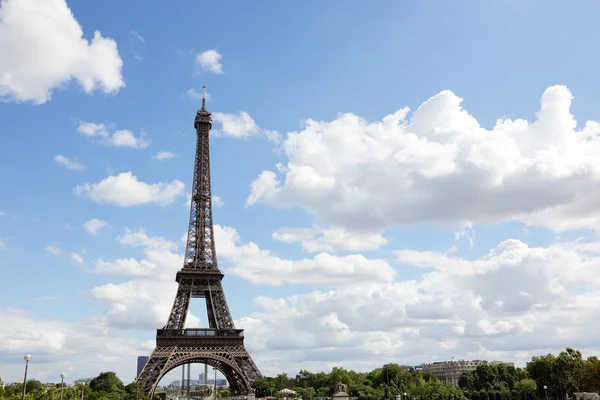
[{"x": 221, "y": 345}]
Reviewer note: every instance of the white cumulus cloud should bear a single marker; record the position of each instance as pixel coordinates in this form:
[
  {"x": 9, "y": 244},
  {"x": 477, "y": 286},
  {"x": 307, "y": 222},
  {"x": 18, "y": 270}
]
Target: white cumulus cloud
[
  {"x": 80, "y": 347},
  {"x": 125, "y": 190},
  {"x": 503, "y": 305},
  {"x": 56, "y": 52},
  {"x": 93, "y": 225},
  {"x": 99, "y": 133},
  {"x": 241, "y": 125},
  {"x": 259, "y": 266},
  {"x": 210, "y": 61},
  {"x": 317, "y": 239},
  {"x": 441, "y": 166}
]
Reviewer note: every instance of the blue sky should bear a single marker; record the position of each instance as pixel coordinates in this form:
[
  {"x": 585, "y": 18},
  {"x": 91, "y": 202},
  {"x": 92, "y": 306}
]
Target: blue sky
[{"x": 447, "y": 199}]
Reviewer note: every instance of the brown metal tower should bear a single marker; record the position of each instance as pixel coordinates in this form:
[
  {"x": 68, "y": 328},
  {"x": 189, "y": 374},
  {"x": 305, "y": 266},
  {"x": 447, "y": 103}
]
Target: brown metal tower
[{"x": 221, "y": 345}]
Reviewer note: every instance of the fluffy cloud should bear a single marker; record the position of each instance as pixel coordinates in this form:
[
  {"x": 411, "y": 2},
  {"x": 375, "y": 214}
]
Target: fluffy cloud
[
  {"x": 241, "y": 125},
  {"x": 81, "y": 348},
  {"x": 146, "y": 300},
  {"x": 325, "y": 270},
  {"x": 164, "y": 155},
  {"x": 93, "y": 225},
  {"x": 502, "y": 306},
  {"x": 53, "y": 250},
  {"x": 442, "y": 166},
  {"x": 152, "y": 277},
  {"x": 121, "y": 138},
  {"x": 210, "y": 61},
  {"x": 67, "y": 163},
  {"x": 161, "y": 261},
  {"x": 57, "y": 52},
  {"x": 330, "y": 239},
  {"x": 125, "y": 190}
]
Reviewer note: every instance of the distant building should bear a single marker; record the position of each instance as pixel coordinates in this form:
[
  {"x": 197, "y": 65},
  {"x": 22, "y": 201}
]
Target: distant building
[
  {"x": 449, "y": 372},
  {"x": 508, "y": 364},
  {"x": 142, "y": 360}
]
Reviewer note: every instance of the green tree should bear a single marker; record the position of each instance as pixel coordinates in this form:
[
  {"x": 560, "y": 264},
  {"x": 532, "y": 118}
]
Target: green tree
[
  {"x": 106, "y": 382},
  {"x": 527, "y": 388},
  {"x": 590, "y": 375},
  {"x": 467, "y": 381}
]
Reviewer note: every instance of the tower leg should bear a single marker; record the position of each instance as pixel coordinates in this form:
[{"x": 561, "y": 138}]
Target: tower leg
[
  {"x": 233, "y": 361},
  {"x": 188, "y": 382}
]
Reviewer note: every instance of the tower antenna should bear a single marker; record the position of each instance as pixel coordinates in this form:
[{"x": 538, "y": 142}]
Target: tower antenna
[{"x": 204, "y": 97}]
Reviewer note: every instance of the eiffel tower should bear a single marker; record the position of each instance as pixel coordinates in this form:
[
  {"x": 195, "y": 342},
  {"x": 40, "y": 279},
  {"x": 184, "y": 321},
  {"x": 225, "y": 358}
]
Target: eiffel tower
[{"x": 221, "y": 345}]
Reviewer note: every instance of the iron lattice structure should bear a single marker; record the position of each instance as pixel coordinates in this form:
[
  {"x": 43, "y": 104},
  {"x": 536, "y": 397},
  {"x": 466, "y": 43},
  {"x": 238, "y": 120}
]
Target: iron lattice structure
[{"x": 221, "y": 345}]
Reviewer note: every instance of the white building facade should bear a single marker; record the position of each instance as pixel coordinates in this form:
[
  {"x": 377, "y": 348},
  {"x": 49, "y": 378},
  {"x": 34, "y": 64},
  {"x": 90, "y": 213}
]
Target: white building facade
[{"x": 450, "y": 371}]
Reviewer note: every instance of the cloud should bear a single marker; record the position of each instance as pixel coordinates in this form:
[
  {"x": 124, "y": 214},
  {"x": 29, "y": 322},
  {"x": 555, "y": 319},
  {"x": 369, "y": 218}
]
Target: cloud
[
  {"x": 330, "y": 239},
  {"x": 151, "y": 278},
  {"x": 53, "y": 250},
  {"x": 93, "y": 225},
  {"x": 137, "y": 45},
  {"x": 217, "y": 201},
  {"x": 137, "y": 36},
  {"x": 79, "y": 348},
  {"x": 467, "y": 233},
  {"x": 324, "y": 270},
  {"x": 67, "y": 163},
  {"x": 161, "y": 261},
  {"x": 241, "y": 125},
  {"x": 2, "y": 244},
  {"x": 210, "y": 61},
  {"x": 144, "y": 301},
  {"x": 122, "y": 138},
  {"x": 193, "y": 94},
  {"x": 48, "y": 29},
  {"x": 164, "y": 155},
  {"x": 77, "y": 258},
  {"x": 503, "y": 305},
  {"x": 124, "y": 190},
  {"x": 442, "y": 166}
]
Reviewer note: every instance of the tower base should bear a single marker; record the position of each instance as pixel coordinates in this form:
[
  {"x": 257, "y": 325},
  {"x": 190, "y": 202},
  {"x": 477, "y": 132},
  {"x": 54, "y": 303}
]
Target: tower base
[{"x": 221, "y": 349}]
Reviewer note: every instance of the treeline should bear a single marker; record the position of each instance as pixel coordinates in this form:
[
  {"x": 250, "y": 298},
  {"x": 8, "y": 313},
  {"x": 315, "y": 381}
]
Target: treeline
[
  {"x": 549, "y": 376},
  {"x": 386, "y": 383},
  {"x": 106, "y": 386},
  {"x": 561, "y": 375}
]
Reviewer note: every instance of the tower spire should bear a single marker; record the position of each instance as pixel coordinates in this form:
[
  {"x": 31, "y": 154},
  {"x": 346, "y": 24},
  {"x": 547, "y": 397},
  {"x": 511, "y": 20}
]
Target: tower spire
[{"x": 204, "y": 98}]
